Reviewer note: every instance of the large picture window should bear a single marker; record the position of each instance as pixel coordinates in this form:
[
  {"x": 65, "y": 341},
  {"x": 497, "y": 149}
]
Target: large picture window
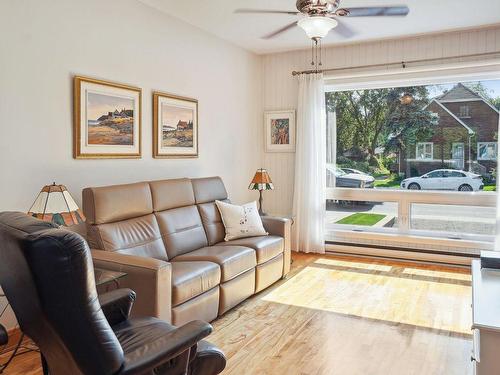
[{"x": 406, "y": 160}]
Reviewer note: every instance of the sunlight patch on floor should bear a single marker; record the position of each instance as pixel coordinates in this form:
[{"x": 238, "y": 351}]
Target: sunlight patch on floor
[
  {"x": 438, "y": 274},
  {"x": 369, "y": 290}
]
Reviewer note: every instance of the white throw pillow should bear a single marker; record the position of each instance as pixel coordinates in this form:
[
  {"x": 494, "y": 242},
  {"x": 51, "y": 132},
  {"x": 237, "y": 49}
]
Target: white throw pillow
[{"x": 241, "y": 221}]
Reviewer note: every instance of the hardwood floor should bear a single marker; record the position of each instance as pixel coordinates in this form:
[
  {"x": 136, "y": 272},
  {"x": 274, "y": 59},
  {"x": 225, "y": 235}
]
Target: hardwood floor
[{"x": 346, "y": 316}]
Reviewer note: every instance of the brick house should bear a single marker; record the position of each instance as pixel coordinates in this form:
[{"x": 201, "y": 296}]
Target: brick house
[{"x": 465, "y": 137}]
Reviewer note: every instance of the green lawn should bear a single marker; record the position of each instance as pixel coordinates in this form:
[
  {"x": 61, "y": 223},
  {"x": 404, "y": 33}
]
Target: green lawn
[
  {"x": 490, "y": 188},
  {"x": 392, "y": 181},
  {"x": 361, "y": 219}
]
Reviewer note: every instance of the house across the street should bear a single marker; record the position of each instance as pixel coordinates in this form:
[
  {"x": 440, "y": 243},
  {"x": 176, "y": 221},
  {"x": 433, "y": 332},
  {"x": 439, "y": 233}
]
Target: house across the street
[{"x": 465, "y": 137}]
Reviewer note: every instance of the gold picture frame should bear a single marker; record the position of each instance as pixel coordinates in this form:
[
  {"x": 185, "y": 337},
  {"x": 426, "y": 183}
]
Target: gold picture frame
[
  {"x": 113, "y": 135},
  {"x": 175, "y": 126}
]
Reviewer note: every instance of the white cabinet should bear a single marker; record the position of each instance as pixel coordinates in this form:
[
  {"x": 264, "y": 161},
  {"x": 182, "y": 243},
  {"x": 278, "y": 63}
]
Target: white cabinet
[{"x": 485, "y": 320}]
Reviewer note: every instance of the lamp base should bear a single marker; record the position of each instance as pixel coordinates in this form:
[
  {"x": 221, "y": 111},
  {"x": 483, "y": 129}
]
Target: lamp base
[{"x": 261, "y": 212}]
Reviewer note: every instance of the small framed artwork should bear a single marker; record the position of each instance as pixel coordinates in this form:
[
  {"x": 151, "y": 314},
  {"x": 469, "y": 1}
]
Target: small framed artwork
[
  {"x": 175, "y": 126},
  {"x": 107, "y": 120},
  {"x": 279, "y": 131}
]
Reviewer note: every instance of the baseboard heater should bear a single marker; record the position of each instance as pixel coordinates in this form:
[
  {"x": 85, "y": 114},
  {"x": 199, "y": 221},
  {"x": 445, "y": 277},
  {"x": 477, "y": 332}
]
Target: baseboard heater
[{"x": 402, "y": 253}]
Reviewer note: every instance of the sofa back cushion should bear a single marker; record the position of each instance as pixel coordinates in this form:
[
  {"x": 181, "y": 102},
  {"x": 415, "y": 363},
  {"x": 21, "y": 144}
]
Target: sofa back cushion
[
  {"x": 178, "y": 217},
  {"x": 208, "y": 189},
  {"x": 121, "y": 219},
  {"x": 173, "y": 193},
  {"x": 206, "y": 192},
  {"x": 108, "y": 204},
  {"x": 182, "y": 230},
  {"x": 138, "y": 236}
]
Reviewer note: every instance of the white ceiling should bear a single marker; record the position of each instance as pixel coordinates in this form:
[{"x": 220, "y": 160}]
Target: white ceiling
[{"x": 245, "y": 30}]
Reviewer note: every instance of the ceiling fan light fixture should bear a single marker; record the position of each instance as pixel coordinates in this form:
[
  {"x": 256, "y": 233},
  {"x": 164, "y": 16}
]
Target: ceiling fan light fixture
[{"x": 317, "y": 27}]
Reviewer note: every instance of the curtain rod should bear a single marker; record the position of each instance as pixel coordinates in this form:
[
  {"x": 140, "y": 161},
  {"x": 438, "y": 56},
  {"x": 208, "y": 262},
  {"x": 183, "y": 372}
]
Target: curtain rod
[{"x": 403, "y": 64}]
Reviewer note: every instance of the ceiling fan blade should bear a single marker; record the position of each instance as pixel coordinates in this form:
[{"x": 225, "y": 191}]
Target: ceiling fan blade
[
  {"x": 344, "y": 30},
  {"x": 265, "y": 11},
  {"x": 279, "y": 31},
  {"x": 401, "y": 10}
]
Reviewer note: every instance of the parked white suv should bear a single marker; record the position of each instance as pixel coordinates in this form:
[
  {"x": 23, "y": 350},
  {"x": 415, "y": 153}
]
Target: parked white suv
[{"x": 445, "y": 179}]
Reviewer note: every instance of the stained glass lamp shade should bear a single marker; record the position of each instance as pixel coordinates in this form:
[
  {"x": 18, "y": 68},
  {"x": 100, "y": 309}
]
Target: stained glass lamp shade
[
  {"x": 261, "y": 181},
  {"x": 55, "y": 204}
]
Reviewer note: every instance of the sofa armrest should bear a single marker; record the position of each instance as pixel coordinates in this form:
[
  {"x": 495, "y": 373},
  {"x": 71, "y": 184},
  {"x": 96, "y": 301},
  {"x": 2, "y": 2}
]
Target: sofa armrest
[
  {"x": 117, "y": 304},
  {"x": 149, "y": 278},
  {"x": 281, "y": 226}
]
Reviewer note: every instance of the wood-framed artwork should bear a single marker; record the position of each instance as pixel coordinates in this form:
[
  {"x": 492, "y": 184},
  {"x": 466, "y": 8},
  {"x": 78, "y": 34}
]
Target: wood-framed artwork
[
  {"x": 175, "y": 126},
  {"x": 279, "y": 130},
  {"x": 107, "y": 120}
]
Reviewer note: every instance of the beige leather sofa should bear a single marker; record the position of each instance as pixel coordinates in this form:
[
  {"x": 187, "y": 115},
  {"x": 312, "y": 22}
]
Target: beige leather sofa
[{"x": 168, "y": 237}]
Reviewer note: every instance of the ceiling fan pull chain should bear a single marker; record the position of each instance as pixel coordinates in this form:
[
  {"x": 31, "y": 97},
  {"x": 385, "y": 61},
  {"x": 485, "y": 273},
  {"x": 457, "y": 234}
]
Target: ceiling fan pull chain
[
  {"x": 320, "y": 52},
  {"x": 312, "y": 52}
]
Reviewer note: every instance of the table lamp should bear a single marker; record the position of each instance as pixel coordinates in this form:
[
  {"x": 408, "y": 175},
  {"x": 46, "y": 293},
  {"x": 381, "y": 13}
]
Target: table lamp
[
  {"x": 55, "y": 204},
  {"x": 261, "y": 181}
]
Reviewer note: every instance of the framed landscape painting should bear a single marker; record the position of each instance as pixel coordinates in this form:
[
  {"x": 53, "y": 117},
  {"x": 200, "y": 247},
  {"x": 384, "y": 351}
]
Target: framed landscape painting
[
  {"x": 107, "y": 120},
  {"x": 279, "y": 129},
  {"x": 175, "y": 126}
]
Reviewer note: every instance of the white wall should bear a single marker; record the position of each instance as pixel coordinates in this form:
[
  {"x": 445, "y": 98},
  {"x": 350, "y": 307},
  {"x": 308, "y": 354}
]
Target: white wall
[
  {"x": 43, "y": 43},
  {"x": 280, "y": 88}
]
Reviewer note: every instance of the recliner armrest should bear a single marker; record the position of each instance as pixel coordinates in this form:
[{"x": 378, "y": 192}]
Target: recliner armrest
[
  {"x": 150, "y": 278},
  {"x": 281, "y": 226},
  {"x": 117, "y": 304},
  {"x": 167, "y": 347}
]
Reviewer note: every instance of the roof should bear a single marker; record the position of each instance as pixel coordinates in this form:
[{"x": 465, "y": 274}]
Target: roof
[{"x": 461, "y": 93}]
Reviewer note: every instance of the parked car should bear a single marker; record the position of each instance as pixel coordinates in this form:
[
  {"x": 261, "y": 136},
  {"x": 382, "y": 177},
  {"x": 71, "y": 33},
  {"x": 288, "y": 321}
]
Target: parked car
[
  {"x": 445, "y": 179},
  {"x": 355, "y": 171},
  {"x": 349, "y": 180}
]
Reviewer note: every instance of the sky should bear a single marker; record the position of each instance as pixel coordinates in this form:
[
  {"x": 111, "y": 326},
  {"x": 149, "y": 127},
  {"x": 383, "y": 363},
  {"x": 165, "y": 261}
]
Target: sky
[
  {"x": 172, "y": 115},
  {"x": 492, "y": 86},
  {"x": 99, "y": 104}
]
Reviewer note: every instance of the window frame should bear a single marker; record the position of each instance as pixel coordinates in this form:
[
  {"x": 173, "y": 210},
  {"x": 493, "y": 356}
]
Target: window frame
[
  {"x": 495, "y": 144},
  {"x": 424, "y": 144}
]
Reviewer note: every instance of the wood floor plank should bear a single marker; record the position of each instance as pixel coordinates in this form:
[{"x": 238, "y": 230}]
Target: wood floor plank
[{"x": 346, "y": 316}]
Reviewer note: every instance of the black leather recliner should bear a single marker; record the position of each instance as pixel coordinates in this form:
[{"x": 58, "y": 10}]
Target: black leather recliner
[{"x": 47, "y": 275}]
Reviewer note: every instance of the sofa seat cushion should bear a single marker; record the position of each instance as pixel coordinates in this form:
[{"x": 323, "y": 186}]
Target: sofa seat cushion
[
  {"x": 266, "y": 247},
  {"x": 190, "y": 279},
  {"x": 233, "y": 260}
]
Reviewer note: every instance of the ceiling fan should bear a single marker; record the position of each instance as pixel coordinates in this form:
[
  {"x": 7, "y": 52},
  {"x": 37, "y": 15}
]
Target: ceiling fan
[{"x": 321, "y": 16}]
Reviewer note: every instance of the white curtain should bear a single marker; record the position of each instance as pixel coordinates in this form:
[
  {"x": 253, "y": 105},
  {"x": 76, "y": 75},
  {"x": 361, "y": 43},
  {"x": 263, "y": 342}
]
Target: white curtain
[{"x": 310, "y": 167}]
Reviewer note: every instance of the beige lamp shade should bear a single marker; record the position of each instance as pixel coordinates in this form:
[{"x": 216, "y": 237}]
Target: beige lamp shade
[
  {"x": 261, "y": 181},
  {"x": 55, "y": 204}
]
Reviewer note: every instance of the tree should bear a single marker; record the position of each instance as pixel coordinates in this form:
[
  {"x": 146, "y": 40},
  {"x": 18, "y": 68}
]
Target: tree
[
  {"x": 408, "y": 123},
  {"x": 360, "y": 120},
  {"x": 367, "y": 119}
]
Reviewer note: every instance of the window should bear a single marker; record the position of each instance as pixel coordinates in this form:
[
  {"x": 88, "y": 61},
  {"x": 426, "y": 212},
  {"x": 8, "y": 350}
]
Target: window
[
  {"x": 464, "y": 111},
  {"x": 454, "y": 174},
  {"x": 487, "y": 151},
  {"x": 435, "y": 174},
  {"x": 401, "y": 175},
  {"x": 424, "y": 150}
]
